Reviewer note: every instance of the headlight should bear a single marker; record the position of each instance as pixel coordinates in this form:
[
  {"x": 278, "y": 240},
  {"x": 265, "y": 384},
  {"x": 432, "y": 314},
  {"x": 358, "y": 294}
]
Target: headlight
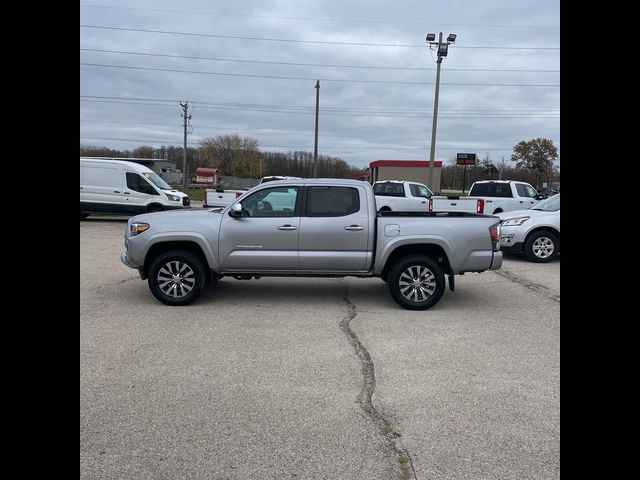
[
  {"x": 136, "y": 228},
  {"x": 512, "y": 222},
  {"x": 173, "y": 198}
]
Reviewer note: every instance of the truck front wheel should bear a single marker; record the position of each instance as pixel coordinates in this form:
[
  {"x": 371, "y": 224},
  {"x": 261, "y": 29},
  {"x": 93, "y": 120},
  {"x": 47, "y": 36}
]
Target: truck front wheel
[
  {"x": 177, "y": 277},
  {"x": 416, "y": 282}
]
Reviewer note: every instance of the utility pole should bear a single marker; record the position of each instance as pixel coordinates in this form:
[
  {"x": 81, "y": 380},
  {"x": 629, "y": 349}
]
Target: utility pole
[
  {"x": 442, "y": 50},
  {"x": 185, "y": 108},
  {"x": 315, "y": 147}
]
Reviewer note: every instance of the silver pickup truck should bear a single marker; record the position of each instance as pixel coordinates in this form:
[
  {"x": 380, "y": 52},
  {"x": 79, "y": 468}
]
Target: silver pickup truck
[{"x": 320, "y": 228}]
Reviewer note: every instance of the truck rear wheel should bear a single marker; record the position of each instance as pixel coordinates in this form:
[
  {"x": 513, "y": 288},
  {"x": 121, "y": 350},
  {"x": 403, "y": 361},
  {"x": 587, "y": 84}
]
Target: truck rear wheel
[
  {"x": 416, "y": 282},
  {"x": 177, "y": 277}
]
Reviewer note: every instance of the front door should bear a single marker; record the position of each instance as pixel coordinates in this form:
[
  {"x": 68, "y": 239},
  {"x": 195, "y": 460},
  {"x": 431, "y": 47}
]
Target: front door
[{"x": 265, "y": 237}]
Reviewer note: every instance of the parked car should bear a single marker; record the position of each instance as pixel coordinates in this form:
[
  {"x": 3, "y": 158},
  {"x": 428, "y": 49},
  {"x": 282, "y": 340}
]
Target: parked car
[
  {"x": 401, "y": 196},
  {"x": 489, "y": 197},
  {"x": 125, "y": 188},
  {"x": 316, "y": 228},
  {"x": 534, "y": 232}
]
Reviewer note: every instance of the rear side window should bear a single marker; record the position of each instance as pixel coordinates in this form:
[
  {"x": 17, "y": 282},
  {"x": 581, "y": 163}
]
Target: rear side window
[
  {"x": 332, "y": 201},
  {"x": 491, "y": 190},
  {"x": 389, "y": 189},
  {"x": 136, "y": 183}
]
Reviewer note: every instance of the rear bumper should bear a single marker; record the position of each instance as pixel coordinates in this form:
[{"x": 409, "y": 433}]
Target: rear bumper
[{"x": 496, "y": 263}]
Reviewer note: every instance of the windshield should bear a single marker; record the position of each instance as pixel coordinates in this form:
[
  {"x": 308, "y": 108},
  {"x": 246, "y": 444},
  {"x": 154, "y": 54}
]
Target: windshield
[
  {"x": 551, "y": 204},
  {"x": 156, "y": 180}
]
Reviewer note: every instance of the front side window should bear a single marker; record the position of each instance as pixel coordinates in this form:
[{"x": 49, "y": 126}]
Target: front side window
[
  {"x": 157, "y": 180},
  {"x": 138, "y": 184},
  {"x": 270, "y": 202},
  {"x": 531, "y": 192},
  {"x": 419, "y": 190},
  {"x": 332, "y": 201}
]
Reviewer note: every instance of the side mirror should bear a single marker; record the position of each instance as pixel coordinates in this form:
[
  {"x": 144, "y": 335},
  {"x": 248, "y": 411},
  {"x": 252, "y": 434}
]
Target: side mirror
[
  {"x": 539, "y": 197},
  {"x": 236, "y": 210}
]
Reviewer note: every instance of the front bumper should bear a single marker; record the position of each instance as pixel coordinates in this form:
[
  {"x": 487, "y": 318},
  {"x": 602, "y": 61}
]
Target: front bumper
[
  {"x": 124, "y": 258},
  {"x": 517, "y": 247}
]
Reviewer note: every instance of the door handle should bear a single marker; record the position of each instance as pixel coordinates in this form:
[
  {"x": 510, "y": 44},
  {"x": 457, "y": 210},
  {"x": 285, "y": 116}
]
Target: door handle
[
  {"x": 521, "y": 201},
  {"x": 354, "y": 227},
  {"x": 116, "y": 191},
  {"x": 127, "y": 193},
  {"x": 287, "y": 227}
]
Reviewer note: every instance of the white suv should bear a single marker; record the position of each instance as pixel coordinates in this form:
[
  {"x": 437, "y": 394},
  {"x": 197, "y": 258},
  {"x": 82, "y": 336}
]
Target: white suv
[{"x": 534, "y": 232}]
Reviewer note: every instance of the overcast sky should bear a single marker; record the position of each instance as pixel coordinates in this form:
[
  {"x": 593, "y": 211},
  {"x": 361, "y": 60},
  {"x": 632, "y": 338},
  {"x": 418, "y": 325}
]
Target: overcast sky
[{"x": 250, "y": 68}]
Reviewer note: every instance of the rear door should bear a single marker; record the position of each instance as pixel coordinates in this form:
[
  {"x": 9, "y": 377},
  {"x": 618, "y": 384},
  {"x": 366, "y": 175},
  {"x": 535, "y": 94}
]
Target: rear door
[
  {"x": 81, "y": 185},
  {"x": 334, "y": 230},
  {"x": 102, "y": 187},
  {"x": 265, "y": 238}
]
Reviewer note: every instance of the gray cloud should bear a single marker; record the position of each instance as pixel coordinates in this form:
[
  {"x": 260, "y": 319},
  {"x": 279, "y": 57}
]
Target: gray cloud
[{"x": 359, "y": 122}]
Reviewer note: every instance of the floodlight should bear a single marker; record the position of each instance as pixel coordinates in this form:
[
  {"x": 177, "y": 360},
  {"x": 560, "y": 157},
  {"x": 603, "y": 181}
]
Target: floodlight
[
  {"x": 451, "y": 38},
  {"x": 431, "y": 37}
]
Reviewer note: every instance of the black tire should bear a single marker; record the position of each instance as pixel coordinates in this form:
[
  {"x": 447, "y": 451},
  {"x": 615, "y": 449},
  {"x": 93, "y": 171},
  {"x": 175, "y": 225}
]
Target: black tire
[
  {"x": 429, "y": 286},
  {"x": 498, "y": 210},
  {"x": 541, "y": 247},
  {"x": 177, "y": 277},
  {"x": 154, "y": 208}
]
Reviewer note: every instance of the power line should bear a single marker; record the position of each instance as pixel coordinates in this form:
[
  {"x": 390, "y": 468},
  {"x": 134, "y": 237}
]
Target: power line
[
  {"x": 205, "y": 102},
  {"x": 349, "y": 20},
  {"x": 279, "y": 77},
  {"x": 319, "y": 42},
  {"x": 342, "y": 114},
  {"x": 190, "y": 57},
  {"x": 345, "y": 147}
]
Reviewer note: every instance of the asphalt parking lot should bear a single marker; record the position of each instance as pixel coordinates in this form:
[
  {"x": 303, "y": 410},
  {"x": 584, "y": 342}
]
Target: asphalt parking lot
[{"x": 283, "y": 378}]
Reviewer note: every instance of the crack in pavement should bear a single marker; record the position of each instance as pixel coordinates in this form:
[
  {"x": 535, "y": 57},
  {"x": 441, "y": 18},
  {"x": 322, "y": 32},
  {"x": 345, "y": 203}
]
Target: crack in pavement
[
  {"x": 116, "y": 283},
  {"x": 541, "y": 289},
  {"x": 405, "y": 463}
]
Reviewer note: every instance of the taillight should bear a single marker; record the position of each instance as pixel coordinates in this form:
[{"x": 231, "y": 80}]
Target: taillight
[
  {"x": 239, "y": 194},
  {"x": 480, "y": 206},
  {"x": 431, "y": 204},
  {"x": 494, "y": 231}
]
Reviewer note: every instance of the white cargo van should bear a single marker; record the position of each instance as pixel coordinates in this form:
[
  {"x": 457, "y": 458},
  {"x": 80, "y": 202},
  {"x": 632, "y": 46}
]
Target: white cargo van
[{"x": 127, "y": 188}]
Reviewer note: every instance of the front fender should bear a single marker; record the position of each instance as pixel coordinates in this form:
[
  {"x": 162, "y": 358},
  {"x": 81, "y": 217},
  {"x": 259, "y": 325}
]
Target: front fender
[{"x": 140, "y": 253}]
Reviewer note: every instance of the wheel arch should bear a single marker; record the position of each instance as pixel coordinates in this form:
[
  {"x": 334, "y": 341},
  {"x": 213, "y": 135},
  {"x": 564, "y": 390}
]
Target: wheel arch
[
  {"x": 155, "y": 207},
  {"x": 191, "y": 246},
  {"x": 544, "y": 228},
  {"x": 436, "y": 252}
]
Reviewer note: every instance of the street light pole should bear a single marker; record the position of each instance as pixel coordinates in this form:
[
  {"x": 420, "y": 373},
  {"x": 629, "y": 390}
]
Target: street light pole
[
  {"x": 442, "y": 51},
  {"x": 315, "y": 145}
]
